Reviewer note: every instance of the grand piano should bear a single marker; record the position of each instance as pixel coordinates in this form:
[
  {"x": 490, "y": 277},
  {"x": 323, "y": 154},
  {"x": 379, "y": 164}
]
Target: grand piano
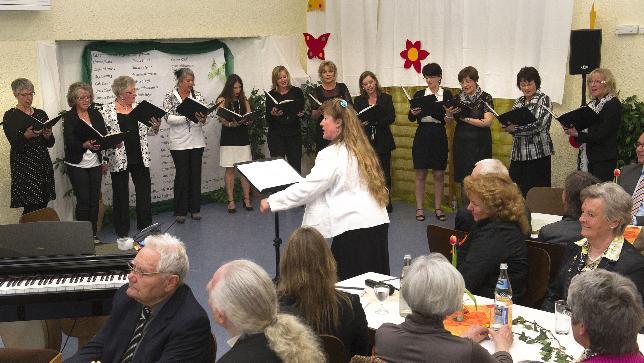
[{"x": 50, "y": 270}]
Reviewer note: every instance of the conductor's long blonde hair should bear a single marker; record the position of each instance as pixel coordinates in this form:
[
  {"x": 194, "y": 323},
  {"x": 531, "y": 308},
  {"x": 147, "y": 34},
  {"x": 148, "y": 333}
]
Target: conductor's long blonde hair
[{"x": 354, "y": 138}]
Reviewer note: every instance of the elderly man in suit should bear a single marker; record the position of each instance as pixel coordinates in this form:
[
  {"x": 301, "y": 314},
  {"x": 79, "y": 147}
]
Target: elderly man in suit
[
  {"x": 155, "y": 317},
  {"x": 631, "y": 179}
]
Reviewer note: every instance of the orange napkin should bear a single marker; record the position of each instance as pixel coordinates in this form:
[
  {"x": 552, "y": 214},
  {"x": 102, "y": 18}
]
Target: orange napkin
[{"x": 471, "y": 316}]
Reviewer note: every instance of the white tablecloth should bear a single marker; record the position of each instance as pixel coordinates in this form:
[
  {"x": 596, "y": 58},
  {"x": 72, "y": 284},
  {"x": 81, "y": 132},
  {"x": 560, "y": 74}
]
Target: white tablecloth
[
  {"x": 519, "y": 350},
  {"x": 539, "y": 220}
]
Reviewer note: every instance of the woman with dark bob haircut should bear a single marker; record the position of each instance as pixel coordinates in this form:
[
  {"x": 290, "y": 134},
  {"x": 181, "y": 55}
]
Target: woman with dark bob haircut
[
  {"x": 607, "y": 314},
  {"x": 472, "y": 138},
  {"x": 531, "y": 143},
  {"x": 429, "y": 150},
  {"x": 307, "y": 288}
]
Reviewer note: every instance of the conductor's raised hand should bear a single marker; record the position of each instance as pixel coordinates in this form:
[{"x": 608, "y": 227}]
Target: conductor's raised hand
[{"x": 264, "y": 206}]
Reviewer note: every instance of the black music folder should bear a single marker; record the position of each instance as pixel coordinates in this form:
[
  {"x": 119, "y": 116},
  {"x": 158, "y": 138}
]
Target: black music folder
[
  {"x": 37, "y": 124},
  {"x": 581, "y": 118},
  {"x": 190, "y": 107},
  {"x": 144, "y": 111},
  {"x": 269, "y": 175},
  {"x": 227, "y": 114},
  {"x": 370, "y": 113},
  {"x": 464, "y": 110},
  {"x": 106, "y": 141},
  {"x": 289, "y": 107},
  {"x": 519, "y": 116}
]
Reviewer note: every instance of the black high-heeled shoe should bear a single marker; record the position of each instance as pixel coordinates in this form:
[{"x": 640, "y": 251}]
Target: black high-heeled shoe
[
  {"x": 249, "y": 206},
  {"x": 233, "y": 209}
]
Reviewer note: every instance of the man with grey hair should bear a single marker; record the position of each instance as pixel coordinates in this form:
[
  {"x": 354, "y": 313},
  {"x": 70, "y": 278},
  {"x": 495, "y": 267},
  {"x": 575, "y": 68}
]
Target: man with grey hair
[
  {"x": 155, "y": 317},
  {"x": 434, "y": 289}
]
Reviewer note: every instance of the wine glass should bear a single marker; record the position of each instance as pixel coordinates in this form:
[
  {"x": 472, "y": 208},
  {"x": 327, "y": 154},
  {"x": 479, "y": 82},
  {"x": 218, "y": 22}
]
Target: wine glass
[{"x": 382, "y": 293}]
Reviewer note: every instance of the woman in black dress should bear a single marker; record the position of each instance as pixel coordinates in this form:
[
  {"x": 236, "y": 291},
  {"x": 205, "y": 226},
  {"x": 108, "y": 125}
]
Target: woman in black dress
[
  {"x": 83, "y": 156},
  {"x": 377, "y": 129},
  {"x": 235, "y": 142},
  {"x": 32, "y": 173},
  {"x": 284, "y": 137},
  {"x": 429, "y": 150},
  {"x": 472, "y": 138},
  {"x": 329, "y": 89}
]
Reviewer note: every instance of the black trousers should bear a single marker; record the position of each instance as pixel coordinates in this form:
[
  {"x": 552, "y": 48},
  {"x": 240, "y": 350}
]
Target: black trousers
[
  {"x": 121, "y": 198},
  {"x": 603, "y": 169},
  {"x": 362, "y": 250},
  {"x": 531, "y": 173},
  {"x": 86, "y": 184},
  {"x": 286, "y": 146},
  {"x": 187, "y": 180},
  {"x": 385, "y": 164},
  {"x": 33, "y": 207}
]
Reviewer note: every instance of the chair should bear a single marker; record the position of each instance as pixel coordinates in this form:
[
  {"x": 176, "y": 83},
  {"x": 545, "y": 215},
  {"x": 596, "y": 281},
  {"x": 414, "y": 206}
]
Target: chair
[
  {"x": 83, "y": 328},
  {"x": 538, "y": 276},
  {"x": 545, "y": 200},
  {"x": 46, "y": 214},
  {"x": 334, "y": 349},
  {"x": 15, "y": 355},
  {"x": 438, "y": 239},
  {"x": 556, "y": 253}
]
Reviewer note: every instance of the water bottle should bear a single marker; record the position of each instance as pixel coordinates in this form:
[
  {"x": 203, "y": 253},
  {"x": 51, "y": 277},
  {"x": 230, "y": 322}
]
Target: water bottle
[
  {"x": 502, "y": 300},
  {"x": 403, "y": 307}
]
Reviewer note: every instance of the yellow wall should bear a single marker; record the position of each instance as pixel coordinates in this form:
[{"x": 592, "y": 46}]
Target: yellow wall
[{"x": 126, "y": 20}]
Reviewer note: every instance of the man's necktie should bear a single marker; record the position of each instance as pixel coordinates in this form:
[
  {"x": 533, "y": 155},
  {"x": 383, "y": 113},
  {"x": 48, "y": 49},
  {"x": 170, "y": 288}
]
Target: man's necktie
[
  {"x": 138, "y": 334},
  {"x": 638, "y": 197}
]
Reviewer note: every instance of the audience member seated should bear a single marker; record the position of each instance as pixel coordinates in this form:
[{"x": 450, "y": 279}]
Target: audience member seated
[
  {"x": 243, "y": 301},
  {"x": 607, "y": 314},
  {"x": 307, "y": 288},
  {"x": 463, "y": 220},
  {"x": 434, "y": 289},
  {"x": 498, "y": 236},
  {"x": 155, "y": 317},
  {"x": 631, "y": 178},
  {"x": 568, "y": 229},
  {"x": 605, "y": 213}
]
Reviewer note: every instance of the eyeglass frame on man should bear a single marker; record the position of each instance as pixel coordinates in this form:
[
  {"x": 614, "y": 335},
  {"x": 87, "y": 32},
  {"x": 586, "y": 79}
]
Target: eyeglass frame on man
[
  {"x": 32, "y": 93},
  {"x": 137, "y": 271}
]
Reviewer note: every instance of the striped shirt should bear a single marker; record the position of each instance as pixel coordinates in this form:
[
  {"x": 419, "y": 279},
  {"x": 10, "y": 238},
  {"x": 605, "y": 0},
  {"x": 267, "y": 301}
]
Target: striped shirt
[{"x": 533, "y": 141}]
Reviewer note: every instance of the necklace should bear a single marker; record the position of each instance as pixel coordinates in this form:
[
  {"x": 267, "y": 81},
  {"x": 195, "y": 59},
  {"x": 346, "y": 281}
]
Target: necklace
[{"x": 124, "y": 107}]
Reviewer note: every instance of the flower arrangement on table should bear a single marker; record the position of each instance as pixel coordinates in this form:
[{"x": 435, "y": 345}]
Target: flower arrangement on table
[
  {"x": 466, "y": 316},
  {"x": 616, "y": 173}
]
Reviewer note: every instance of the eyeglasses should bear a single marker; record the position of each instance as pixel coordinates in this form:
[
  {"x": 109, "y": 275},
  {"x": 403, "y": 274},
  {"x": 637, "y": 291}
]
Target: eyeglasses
[
  {"x": 137, "y": 271},
  {"x": 83, "y": 98},
  {"x": 595, "y": 82},
  {"x": 27, "y": 94},
  {"x": 638, "y": 144}
]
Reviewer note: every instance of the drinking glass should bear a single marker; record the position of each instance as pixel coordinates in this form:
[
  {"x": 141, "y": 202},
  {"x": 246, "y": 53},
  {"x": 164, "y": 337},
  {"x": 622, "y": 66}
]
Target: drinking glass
[
  {"x": 562, "y": 317},
  {"x": 382, "y": 293}
]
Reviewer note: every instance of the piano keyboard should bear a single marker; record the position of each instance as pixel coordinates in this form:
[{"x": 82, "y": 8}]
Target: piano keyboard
[{"x": 18, "y": 285}]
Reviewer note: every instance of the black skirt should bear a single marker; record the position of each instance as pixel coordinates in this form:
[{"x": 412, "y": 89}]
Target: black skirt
[
  {"x": 471, "y": 144},
  {"x": 362, "y": 250},
  {"x": 429, "y": 150}
]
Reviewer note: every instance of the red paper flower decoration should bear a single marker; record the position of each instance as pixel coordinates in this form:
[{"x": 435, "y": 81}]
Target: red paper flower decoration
[
  {"x": 316, "y": 45},
  {"x": 573, "y": 142},
  {"x": 413, "y": 55}
]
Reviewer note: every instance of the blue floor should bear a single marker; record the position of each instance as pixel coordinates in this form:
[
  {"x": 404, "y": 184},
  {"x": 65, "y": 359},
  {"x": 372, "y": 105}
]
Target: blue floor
[{"x": 221, "y": 236}]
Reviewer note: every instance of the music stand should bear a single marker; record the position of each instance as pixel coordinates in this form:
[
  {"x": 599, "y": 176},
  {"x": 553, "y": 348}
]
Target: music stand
[{"x": 270, "y": 176}]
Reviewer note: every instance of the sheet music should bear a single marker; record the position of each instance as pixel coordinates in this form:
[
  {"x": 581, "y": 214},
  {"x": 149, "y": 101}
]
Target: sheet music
[{"x": 264, "y": 174}]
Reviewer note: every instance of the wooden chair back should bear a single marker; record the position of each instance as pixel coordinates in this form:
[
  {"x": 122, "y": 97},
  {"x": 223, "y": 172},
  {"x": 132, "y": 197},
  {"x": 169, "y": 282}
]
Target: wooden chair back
[
  {"x": 438, "y": 239},
  {"x": 334, "y": 349},
  {"x": 555, "y": 252},
  {"x": 538, "y": 276},
  {"x": 46, "y": 214},
  {"x": 545, "y": 200}
]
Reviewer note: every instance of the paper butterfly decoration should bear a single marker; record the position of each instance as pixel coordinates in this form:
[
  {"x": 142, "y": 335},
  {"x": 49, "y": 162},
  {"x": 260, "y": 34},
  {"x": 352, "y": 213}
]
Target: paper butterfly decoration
[
  {"x": 413, "y": 54},
  {"x": 316, "y": 45},
  {"x": 316, "y": 5},
  {"x": 217, "y": 70}
]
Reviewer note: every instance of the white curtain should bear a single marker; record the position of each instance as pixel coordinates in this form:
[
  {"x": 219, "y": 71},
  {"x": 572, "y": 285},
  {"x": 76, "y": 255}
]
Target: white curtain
[
  {"x": 498, "y": 37},
  {"x": 52, "y": 103}
]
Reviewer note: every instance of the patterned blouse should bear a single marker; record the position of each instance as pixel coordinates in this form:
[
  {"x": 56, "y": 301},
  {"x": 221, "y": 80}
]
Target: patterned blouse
[{"x": 533, "y": 141}]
